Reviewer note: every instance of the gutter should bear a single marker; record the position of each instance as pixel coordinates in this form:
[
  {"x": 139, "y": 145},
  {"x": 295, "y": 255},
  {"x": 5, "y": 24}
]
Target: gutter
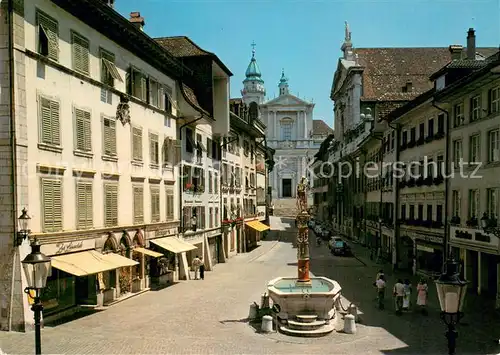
[
  {"x": 446, "y": 246},
  {"x": 13, "y": 155}
]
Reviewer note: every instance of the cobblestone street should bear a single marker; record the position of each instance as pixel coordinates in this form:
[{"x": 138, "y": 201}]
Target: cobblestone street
[{"x": 209, "y": 316}]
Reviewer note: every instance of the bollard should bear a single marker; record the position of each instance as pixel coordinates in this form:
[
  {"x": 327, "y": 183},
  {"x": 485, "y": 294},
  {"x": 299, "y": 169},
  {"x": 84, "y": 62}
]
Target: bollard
[
  {"x": 252, "y": 313},
  {"x": 267, "y": 324},
  {"x": 354, "y": 311},
  {"x": 349, "y": 324}
]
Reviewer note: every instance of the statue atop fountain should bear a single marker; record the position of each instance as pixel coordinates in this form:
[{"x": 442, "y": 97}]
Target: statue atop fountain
[{"x": 302, "y": 235}]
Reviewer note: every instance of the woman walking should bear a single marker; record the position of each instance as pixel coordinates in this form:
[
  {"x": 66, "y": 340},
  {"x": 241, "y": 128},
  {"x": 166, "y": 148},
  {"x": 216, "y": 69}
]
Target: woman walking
[
  {"x": 407, "y": 295},
  {"x": 422, "y": 292}
]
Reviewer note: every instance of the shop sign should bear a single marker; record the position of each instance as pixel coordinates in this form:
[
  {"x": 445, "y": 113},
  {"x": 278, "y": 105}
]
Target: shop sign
[
  {"x": 426, "y": 238},
  {"x": 472, "y": 235},
  {"x": 68, "y": 247},
  {"x": 424, "y": 248},
  {"x": 164, "y": 232}
]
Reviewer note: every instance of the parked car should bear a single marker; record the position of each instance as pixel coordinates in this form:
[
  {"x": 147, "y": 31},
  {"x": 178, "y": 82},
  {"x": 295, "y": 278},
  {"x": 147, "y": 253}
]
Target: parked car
[
  {"x": 341, "y": 248},
  {"x": 332, "y": 242}
]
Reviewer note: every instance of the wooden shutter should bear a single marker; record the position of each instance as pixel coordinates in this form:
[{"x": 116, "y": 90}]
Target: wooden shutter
[
  {"x": 136, "y": 143},
  {"x": 83, "y": 130},
  {"x": 138, "y": 204},
  {"x": 51, "y": 30},
  {"x": 109, "y": 132},
  {"x": 170, "y": 204},
  {"x": 84, "y": 205},
  {"x": 153, "y": 148},
  {"x": 80, "y": 47},
  {"x": 52, "y": 205},
  {"x": 155, "y": 204},
  {"x": 202, "y": 217},
  {"x": 144, "y": 88},
  {"x": 110, "y": 205},
  {"x": 186, "y": 217}
]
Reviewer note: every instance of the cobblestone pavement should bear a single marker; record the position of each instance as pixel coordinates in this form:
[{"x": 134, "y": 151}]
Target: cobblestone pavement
[{"x": 208, "y": 317}]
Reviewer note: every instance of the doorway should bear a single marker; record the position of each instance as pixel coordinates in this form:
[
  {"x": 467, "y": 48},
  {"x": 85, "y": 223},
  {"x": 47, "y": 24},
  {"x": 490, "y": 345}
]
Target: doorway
[{"x": 286, "y": 187}]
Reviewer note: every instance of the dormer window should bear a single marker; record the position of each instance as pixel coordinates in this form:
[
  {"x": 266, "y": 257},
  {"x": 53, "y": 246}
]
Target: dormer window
[
  {"x": 408, "y": 87},
  {"x": 440, "y": 82}
]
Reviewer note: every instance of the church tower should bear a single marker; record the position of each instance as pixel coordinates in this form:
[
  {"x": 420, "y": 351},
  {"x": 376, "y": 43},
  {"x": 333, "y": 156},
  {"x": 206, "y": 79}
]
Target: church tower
[
  {"x": 253, "y": 85},
  {"x": 283, "y": 85}
]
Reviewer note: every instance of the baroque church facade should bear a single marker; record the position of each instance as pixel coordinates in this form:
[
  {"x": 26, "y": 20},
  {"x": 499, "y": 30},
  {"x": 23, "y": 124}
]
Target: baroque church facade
[{"x": 291, "y": 130}]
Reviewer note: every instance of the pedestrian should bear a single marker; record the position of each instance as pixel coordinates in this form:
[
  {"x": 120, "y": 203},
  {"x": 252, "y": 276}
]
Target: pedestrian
[
  {"x": 407, "y": 296},
  {"x": 422, "y": 293},
  {"x": 196, "y": 266},
  {"x": 380, "y": 285},
  {"x": 399, "y": 292},
  {"x": 202, "y": 269},
  {"x": 380, "y": 273}
]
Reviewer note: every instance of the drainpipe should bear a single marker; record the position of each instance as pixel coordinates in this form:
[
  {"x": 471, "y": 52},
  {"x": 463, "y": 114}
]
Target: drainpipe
[
  {"x": 13, "y": 144},
  {"x": 446, "y": 246},
  {"x": 397, "y": 128},
  {"x": 181, "y": 172},
  {"x": 266, "y": 179}
]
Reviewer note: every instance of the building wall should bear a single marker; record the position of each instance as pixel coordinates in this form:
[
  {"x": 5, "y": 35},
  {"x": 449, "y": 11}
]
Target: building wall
[{"x": 63, "y": 162}]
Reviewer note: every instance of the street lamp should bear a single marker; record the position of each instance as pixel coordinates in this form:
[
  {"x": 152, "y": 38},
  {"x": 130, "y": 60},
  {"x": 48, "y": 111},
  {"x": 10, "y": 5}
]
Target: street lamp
[
  {"x": 36, "y": 268},
  {"x": 489, "y": 225},
  {"x": 451, "y": 293},
  {"x": 24, "y": 220}
]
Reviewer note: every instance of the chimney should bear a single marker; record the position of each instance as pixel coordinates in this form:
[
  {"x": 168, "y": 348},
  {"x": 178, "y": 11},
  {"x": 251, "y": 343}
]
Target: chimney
[
  {"x": 137, "y": 20},
  {"x": 456, "y": 51},
  {"x": 471, "y": 44}
]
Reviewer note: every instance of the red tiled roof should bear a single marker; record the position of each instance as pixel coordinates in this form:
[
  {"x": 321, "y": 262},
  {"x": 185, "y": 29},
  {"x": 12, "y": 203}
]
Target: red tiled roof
[
  {"x": 387, "y": 70},
  {"x": 321, "y": 128},
  {"x": 181, "y": 46}
]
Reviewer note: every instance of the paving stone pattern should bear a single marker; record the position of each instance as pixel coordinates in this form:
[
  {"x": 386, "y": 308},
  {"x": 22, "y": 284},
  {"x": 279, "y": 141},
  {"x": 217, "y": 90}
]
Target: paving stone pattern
[{"x": 208, "y": 317}]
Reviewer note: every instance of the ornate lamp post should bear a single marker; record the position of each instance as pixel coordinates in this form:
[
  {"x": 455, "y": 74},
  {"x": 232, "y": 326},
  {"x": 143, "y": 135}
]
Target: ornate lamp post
[
  {"x": 490, "y": 225},
  {"x": 451, "y": 293},
  {"x": 36, "y": 268},
  {"x": 24, "y": 232}
]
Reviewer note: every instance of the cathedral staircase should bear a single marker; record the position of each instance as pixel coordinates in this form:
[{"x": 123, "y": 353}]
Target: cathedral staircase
[
  {"x": 285, "y": 207},
  {"x": 307, "y": 326}
]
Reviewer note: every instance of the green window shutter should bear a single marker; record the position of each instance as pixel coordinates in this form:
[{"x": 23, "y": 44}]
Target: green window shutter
[
  {"x": 52, "y": 205},
  {"x": 170, "y": 204},
  {"x": 155, "y": 204},
  {"x": 137, "y": 144},
  {"x": 109, "y": 132},
  {"x": 153, "y": 148},
  {"x": 45, "y": 121},
  {"x": 110, "y": 205},
  {"x": 144, "y": 88},
  {"x": 138, "y": 193},
  {"x": 51, "y": 28},
  {"x": 80, "y": 49},
  {"x": 81, "y": 206},
  {"x": 83, "y": 130}
]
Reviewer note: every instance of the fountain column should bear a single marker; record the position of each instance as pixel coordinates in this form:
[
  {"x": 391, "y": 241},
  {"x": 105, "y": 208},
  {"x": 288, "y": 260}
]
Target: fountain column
[{"x": 302, "y": 235}]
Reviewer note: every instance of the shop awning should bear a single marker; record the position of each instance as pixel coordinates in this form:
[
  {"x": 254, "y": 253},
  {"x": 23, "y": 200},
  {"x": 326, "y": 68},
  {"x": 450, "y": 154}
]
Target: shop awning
[
  {"x": 173, "y": 244},
  {"x": 258, "y": 226},
  {"x": 89, "y": 262},
  {"x": 148, "y": 252}
]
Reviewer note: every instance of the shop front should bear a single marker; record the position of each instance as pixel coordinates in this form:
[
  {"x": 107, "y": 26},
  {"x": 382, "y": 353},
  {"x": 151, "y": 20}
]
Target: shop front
[
  {"x": 253, "y": 233},
  {"x": 174, "y": 265},
  {"x": 478, "y": 254},
  {"x": 77, "y": 276},
  {"x": 428, "y": 253}
]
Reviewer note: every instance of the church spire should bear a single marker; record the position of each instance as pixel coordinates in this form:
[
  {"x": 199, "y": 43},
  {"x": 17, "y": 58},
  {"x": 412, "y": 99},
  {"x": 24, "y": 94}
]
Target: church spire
[
  {"x": 347, "y": 45},
  {"x": 283, "y": 85},
  {"x": 253, "y": 85}
]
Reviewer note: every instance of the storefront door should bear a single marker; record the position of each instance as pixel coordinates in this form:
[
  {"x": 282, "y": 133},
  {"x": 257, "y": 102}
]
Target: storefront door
[{"x": 86, "y": 290}]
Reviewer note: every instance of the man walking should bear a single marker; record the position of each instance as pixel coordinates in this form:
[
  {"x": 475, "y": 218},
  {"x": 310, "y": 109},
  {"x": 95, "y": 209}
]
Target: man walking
[
  {"x": 380, "y": 285},
  {"x": 202, "y": 269},
  {"x": 399, "y": 293},
  {"x": 196, "y": 266}
]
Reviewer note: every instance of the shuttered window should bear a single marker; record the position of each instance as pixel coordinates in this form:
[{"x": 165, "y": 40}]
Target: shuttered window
[
  {"x": 137, "y": 84},
  {"x": 109, "y": 136},
  {"x": 154, "y": 93},
  {"x": 155, "y": 204},
  {"x": 49, "y": 122},
  {"x": 168, "y": 151},
  {"x": 48, "y": 36},
  {"x": 84, "y": 205},
  {"x": 83, "y": 130},
  {"x": 110, "y": 205},
  {"x": 136, "y": 144},
  {"x": 138, "y": 196},
  {"x": 80, "y": 51},
  {"x": 170, "y": 204},
  {"x": 154, "y": 149},
  {"x": 51, "y": 205},
  {"x": 108, "y": 69}
]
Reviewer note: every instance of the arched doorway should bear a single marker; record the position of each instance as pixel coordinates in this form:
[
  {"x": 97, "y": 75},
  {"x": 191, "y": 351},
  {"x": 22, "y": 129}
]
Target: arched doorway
[{"x": 125, "y": 274}]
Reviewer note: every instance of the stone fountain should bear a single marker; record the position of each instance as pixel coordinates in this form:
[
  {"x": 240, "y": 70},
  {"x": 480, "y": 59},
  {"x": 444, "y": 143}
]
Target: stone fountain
[{"x": 306, "y": 304}]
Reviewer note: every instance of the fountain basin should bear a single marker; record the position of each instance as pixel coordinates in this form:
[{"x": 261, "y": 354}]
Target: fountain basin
[{"x": 318, "y": 298}]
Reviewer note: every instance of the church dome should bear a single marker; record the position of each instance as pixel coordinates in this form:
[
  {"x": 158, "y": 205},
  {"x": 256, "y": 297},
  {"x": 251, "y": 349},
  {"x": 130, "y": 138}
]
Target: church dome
[{"x": 253, "y": 71}]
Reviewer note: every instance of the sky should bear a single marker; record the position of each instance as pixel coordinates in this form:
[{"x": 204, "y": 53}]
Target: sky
[{"x": 304, "y": 37}]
